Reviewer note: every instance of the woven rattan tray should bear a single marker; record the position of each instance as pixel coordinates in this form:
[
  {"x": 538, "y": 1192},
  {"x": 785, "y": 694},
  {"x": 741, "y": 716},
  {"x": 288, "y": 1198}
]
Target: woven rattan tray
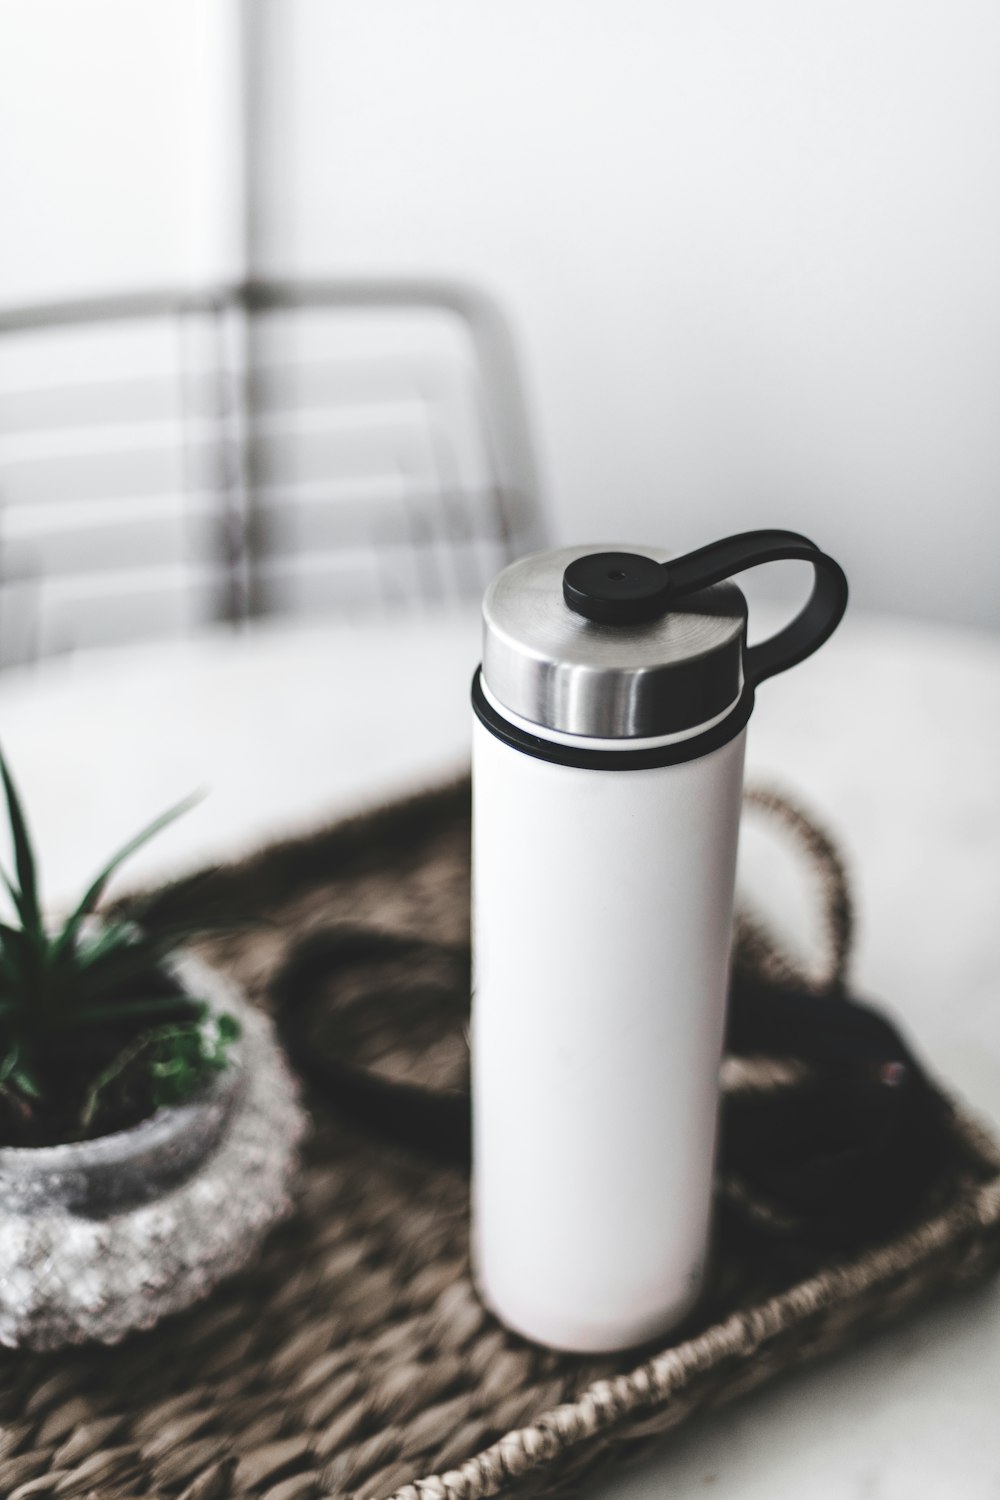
[{"x": 355, "y": 1358}]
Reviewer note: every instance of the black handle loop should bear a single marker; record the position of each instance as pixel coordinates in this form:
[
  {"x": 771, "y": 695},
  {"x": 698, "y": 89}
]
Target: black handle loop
[
  {"x": 815, "y": 622},
  {"x": 624, "y": 588}
]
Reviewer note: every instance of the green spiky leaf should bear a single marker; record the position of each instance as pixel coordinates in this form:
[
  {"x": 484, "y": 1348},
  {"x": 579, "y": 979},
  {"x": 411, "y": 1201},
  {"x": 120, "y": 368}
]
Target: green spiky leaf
[
  {"x": 14, "y": 1074},
  {"x": 25, "y": 894},
  {"x": 97, "y": 887},
  {"x": 94, "y": 1031},
  {"x": 145, "y": 1006}
]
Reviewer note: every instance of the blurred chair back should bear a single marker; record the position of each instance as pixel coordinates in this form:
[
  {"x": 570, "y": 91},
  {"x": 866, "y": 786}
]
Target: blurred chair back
[{"x": 171, "y": 460}]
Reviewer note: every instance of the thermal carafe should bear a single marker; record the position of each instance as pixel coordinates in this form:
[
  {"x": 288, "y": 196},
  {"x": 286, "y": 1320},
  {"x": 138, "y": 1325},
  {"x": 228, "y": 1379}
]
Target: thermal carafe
[{"x": 610, "y": 723}]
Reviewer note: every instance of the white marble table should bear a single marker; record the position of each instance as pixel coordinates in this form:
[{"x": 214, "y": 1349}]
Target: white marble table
[{"x": 890, "y": 734}]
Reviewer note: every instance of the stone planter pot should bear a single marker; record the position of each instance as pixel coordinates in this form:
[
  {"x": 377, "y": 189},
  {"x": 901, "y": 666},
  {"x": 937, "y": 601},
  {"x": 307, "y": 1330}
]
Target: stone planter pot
[{"x": 101, "y": 1237}]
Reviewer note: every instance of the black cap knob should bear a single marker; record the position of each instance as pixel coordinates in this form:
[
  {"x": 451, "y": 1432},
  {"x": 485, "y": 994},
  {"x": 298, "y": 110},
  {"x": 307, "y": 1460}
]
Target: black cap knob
[{"x": 616, "y": 588}]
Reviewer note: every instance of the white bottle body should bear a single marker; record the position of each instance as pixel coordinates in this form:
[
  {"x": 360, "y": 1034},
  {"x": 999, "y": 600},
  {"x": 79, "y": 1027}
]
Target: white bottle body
[{"x": 602, "y": 926}]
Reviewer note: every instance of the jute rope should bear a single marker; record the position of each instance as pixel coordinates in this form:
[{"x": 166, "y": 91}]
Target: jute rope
[{"x": 836, "y": 909}]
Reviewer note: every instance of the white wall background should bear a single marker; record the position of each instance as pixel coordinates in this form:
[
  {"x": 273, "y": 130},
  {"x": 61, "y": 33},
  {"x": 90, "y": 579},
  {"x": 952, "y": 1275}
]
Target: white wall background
[
  {"x": 750, "y": 248},
  {"x": 119, "y": 146}
]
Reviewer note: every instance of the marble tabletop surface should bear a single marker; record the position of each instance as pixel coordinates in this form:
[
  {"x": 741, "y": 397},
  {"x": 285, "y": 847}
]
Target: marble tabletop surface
[{"x": 889, "y": 736}]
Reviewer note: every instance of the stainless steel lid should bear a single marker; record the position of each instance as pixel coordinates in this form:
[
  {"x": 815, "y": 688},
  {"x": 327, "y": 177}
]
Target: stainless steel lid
[{"x": 551, "y": 666}]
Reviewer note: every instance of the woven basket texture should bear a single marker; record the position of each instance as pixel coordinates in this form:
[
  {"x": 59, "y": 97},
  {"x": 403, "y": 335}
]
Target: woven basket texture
[{"x": 354, "y": 1357}]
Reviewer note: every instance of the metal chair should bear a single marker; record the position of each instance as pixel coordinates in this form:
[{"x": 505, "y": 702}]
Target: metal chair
[{"x": 172, "y": 459}]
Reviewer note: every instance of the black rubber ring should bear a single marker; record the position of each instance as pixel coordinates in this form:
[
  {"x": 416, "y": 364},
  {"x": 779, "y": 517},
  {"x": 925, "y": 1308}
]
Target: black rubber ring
[{"x": 611, "y": 760}]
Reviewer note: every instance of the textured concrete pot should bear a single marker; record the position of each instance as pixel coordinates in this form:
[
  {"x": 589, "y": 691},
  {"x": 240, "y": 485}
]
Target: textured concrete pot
[{"x": 101, "y": 1237}]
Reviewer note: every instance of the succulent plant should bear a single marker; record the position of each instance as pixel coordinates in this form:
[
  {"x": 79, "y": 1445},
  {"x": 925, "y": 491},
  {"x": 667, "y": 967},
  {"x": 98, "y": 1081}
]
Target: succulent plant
[{"x": 95, "y": 1033}]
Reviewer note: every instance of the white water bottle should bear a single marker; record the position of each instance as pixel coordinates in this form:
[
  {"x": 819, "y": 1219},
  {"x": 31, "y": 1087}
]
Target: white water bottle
[{"x": 611, "y": 711}]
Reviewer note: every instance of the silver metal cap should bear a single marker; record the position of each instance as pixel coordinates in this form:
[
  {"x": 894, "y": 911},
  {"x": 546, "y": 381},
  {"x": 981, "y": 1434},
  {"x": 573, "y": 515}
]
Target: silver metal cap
[{"x": 550, "y": 666}]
